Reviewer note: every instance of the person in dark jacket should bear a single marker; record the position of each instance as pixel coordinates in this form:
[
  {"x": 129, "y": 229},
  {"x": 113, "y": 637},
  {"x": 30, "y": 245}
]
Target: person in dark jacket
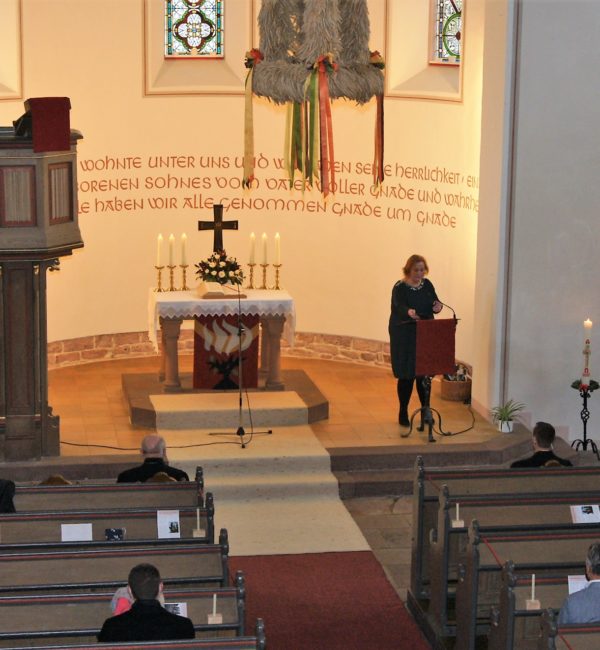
[
  {"x": 154, "y": 451},
  {"x": 147, "y": 620},
  {"x": 543, "y": 438}
]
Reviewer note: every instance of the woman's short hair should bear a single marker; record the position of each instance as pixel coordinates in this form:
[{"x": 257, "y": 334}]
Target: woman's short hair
[{"x": 412, "y": 261}]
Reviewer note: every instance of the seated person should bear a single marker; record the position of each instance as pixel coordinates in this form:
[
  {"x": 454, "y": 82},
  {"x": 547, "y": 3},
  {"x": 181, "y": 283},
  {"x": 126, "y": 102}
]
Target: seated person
[
  {"x": 147, "y": 620},
  {"x": 543, "y": 437},
  {"x": 154, "y": 451},
  {"x": 584, "y": 606}
]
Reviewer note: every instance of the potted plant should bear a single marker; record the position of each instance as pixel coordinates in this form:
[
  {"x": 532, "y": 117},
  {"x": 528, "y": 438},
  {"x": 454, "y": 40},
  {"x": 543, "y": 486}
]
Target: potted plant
[{"x": 504, "y": 414}]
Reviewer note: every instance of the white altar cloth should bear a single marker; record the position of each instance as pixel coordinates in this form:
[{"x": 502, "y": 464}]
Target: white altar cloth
[{"x": 187, "y": 305}]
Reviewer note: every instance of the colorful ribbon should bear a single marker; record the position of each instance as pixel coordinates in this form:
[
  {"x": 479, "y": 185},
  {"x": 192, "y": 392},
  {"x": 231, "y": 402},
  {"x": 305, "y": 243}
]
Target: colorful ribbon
[{"x": 253, "y": 58}]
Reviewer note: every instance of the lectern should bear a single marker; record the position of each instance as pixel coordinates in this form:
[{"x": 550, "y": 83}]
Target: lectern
[
  {"x": 434, "y": 356},
  {"x": 38, "y": 225}
]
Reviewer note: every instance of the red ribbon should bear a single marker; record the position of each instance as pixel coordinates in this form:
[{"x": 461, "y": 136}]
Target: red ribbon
[{"x": 325, "y": 126}]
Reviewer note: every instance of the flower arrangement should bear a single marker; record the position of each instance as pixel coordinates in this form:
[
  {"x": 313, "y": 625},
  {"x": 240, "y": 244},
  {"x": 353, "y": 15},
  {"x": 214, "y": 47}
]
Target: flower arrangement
[
  {"x": 220, "y": 268},
  {"x": 593, "y": 385}
]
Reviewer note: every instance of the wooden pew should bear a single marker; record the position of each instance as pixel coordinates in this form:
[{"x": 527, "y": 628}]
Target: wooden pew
[
  {"x": 567, "y": 637},
  {"x": 558, "y": 551},
  {"x": 256, "y": 642},
  {"x": 68, "y": 618},
  {"x": 494, "y": 513},
  {"x": 78, "y": 570},
  {"x": 428, "y": 483},
  {"x": 87, "y": 496},
  {"x": 44, "y": 527},
  {"x": 512, "y": 625}
]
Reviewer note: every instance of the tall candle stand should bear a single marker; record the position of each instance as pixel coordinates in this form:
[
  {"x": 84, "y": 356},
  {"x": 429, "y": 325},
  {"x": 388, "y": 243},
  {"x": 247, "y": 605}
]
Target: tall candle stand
[
  {"x": 277, "y": 267},
  {"x": 172, "y": 268},
  {"x": 264, "y": 276},
  {"x": 159, "y": 278},
  {"x": 184, "y": 286},
  {"x": 251, "y": 265},
  {"x": 583, "y": 443}
]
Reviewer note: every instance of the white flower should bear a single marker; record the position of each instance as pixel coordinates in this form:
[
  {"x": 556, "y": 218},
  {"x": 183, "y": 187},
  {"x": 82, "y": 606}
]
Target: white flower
[
  {"x": 221, "y": 263},
  {"x": 221, "y": 274},
  {"x": 213, "y": 273},
  {"x": 231, "y": 274},
  {"x": 212, "y": 265}
]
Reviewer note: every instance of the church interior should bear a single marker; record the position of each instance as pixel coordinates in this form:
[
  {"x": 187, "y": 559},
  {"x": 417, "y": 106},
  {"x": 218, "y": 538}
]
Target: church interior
[{"x": 146, "y": 155}]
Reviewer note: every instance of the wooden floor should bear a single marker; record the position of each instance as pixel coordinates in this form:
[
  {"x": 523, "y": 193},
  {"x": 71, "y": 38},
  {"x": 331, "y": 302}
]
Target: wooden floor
[{"x": 363, "y": 406}]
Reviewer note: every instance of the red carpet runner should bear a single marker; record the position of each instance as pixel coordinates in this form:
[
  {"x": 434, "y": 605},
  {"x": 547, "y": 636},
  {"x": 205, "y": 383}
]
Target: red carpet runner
[{"x": 326, "y": 601}]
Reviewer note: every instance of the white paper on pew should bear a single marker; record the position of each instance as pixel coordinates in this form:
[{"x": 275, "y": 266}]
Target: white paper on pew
[
  {"x": 177, "y": 608},
  {"x": 76, "y": 533},
  {"x": 586, "y": 514},
  {"x": 167, "y": 522},
  {"x": 577, "y": 583}
]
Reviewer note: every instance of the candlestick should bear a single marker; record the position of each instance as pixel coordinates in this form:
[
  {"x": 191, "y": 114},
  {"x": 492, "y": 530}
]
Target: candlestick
[
  {"x": 264, "y": 276},
  {"x": 171, "y": 268},
  {"x": 251, "y": 278},
  {"x": 184, "y": 286},
  {"x": 277, "y": 249},
  {"x": 277, "y": 267},
  {"x": 159, "y": 278},
  {"x": 171, "y": 246},
  {"x": 252, "y": 259},
  {"x": 183, "y": 250},
  {"x": 159, "y": 243},
  {"x": 264, "y": 248}
]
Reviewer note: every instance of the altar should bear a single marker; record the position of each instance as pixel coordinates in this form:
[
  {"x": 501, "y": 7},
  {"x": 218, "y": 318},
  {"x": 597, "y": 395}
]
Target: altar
[{"x": 167, "y": 310}]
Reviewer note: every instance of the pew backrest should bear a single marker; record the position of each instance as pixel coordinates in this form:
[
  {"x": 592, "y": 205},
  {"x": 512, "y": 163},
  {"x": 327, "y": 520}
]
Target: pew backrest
[
  {"x": 139, "y": 524},
  {"x": 64, "y": 617},
  {"x": 567, "y": 637},
  {"x": 191, "y": 564},
  {"x": 89, "y": 495}
]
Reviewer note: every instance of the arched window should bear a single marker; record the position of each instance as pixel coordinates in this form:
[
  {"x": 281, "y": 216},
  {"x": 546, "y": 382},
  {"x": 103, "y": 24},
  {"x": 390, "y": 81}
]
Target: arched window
[
  {"x": 447, "y": 31},
  {"x": 194, "y": 29}
]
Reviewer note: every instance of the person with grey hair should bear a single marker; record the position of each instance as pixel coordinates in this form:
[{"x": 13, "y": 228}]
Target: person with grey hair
[
  {"x": 154, "y": 451},
  {"x": 584, "y": 606}
]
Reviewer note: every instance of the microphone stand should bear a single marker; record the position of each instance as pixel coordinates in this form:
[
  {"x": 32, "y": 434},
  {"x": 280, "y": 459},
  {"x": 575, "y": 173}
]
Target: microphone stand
[{"x": 240, "y": 432}]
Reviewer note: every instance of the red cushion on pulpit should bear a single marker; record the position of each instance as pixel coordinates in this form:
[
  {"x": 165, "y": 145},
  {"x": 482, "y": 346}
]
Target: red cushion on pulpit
[
  {"x": 50, "y": 122},
  {"x": 216, "y": 352}
]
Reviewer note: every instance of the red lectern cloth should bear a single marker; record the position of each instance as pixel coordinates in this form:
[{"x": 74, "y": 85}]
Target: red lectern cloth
[
  {"x": 50, "y": 122},
  {"x": 216, "y": 352},
  {"x": 435, "y": 347}
]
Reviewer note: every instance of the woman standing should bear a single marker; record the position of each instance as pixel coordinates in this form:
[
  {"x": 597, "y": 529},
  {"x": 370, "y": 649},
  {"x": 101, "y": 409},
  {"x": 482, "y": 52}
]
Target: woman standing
[{"x": 413, "y": 299}]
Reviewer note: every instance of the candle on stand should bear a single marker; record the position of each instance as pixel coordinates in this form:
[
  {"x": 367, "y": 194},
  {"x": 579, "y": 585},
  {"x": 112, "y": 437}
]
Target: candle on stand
[
  {"x": 171, "y": 246},
  {"x": 264, "y": 248},
  {"x": 159, "y": 243},
  {"x": 214, "y": 604},
  {"x": 252, "y": 248},
  {"x": 587, "y": 351},
  {"x": 277, "y": 248},
  {"x": 183, "y": 249}
]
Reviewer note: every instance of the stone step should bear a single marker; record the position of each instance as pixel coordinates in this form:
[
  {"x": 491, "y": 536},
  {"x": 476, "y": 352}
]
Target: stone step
[{"x": 375, "y": 483}]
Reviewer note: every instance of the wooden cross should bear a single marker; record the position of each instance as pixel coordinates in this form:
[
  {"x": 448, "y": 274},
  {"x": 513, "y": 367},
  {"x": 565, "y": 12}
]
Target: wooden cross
[{"x": 218, "y": 225}]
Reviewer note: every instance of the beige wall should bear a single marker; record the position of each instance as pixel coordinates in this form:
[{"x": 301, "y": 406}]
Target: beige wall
[{"x": 339, "y": 267}]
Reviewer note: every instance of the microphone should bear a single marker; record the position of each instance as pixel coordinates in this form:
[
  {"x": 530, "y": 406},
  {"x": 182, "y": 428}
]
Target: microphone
[{"x": 450, "y": 308}]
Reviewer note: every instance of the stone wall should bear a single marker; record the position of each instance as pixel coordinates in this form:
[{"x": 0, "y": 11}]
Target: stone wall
[{"x": 136, "y": 344}]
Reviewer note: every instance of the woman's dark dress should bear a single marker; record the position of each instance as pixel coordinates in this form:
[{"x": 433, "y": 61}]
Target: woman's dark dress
[{"x": 402, "y": 328}]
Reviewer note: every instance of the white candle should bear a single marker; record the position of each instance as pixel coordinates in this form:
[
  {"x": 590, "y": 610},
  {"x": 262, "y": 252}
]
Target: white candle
[
  {"x": 198, "y": 518},
  {"x": 457, "y": 512},
  {"x": 533, "y": 586},
  {"x": 214, "y": 604},
  {"x": 264, "y": 248},
  {"x": 183, "y": 249},
  {"x": 252, "y": 248},
  {"x": 277, "y": 248},
  {"x": 159, "y": 243},
  {"x": 171, "y": 246}
]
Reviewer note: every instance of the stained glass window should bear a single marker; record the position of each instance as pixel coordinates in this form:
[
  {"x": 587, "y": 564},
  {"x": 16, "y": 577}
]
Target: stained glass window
[
  {"x": 447, "y": 31},
  {"x": 194, "y": 28}
]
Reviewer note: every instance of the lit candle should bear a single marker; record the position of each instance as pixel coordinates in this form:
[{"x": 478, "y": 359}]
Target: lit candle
[
  {"x": 587, "y": 324},
  {"x": 277, "y": 249},
  {"x": 264, "y": 248},
  {"x": 252, "y": 248},
  {"x": 159, "y": 243},
  {"x": 587, "y": 328},
  {"x": 171, "y": 246},
  {"x": 183, "y": 249}
]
